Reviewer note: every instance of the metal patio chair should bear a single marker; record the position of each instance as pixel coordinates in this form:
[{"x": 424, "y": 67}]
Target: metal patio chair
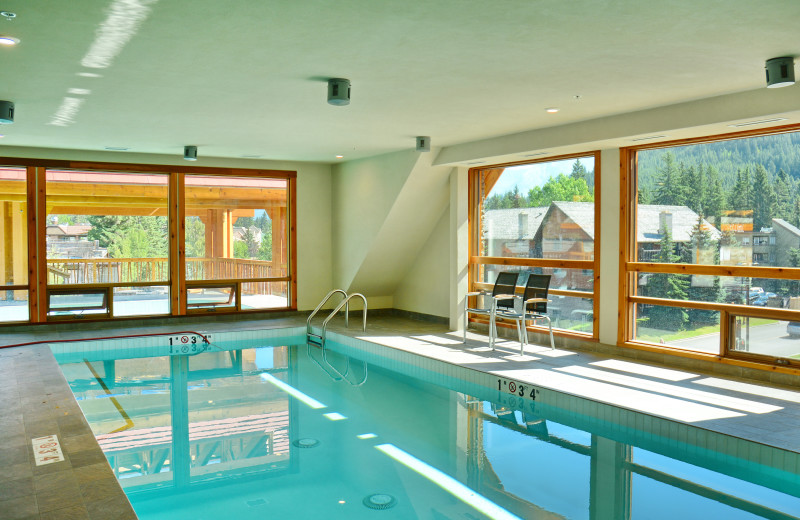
[
  {"x": 534, "y": 307},
  {"x": 502, "y": 301}
]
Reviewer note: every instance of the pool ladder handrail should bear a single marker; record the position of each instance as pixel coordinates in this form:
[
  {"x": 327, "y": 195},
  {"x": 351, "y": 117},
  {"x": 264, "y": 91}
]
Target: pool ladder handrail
[
  {"x": 318, "y": 307},
  {"x": 344, "y": 303}
]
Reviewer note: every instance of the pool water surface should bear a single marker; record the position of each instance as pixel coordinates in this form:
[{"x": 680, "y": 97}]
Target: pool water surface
[{"x": 289, "y": 430}]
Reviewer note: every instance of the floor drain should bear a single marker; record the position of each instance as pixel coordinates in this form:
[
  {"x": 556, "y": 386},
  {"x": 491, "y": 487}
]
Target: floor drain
[
  {"x": 380, "y": 501},
  {"x": 306, "y": 443}
]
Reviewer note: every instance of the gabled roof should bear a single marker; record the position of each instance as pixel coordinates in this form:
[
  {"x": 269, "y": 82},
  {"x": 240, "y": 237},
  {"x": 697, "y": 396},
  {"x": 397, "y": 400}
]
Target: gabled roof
[
  {"x": 581, "y": 213},
  {"x": 785, "y": 225},
  {"x": 504, "y": 224},
  {"x": 683, "y": 220}
]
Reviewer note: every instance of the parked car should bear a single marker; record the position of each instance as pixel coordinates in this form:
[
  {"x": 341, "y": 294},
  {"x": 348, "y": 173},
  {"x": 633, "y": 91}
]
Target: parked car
[
  {"x": 793, "y": 329},
  {"x": 761, "y": 300}
]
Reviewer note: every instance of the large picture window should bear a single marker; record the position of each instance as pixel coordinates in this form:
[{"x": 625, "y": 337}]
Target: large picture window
[
  {"x": 540, "y": 217},
  {"x": 14, "y": 235},
  {"x": 107, "y": 243},
  {"x": 106, "y": 240},
  {"x": 713, "y": 246},
  {"x": 237, "y": 231}
]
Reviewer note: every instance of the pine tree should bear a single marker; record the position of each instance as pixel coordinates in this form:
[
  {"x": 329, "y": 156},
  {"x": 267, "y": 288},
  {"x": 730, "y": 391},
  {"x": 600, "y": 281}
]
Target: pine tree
[
  {"x": 578, "y": 170},
  {"x": 784, "y": 196},
  {"x": 714, "y": 200},
  {"x": 644, "y": 195},
  {"x": 668, "y": 188},
  {"x": 740, "y": 197},
  {"x": 669, "y": 286},
  {"x": 692, "y": 187},
  {"x": 705, "y": 250},
  {"x": 762, "y": 199}
]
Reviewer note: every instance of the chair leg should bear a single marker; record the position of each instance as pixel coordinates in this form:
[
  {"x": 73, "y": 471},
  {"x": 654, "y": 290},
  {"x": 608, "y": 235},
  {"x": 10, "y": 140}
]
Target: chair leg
[
  {"x": 552, "y": 341},
  {"x": 466, "y": 320},
  {"x": 520, "y": 331},
  {"x": 492, "y": 330}
]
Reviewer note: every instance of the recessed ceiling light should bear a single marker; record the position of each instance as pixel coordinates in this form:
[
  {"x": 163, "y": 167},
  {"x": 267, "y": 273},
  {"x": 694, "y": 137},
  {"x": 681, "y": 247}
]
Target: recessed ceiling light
[
  {"x": 9, "y": 41},
  {"x": 250, "y": 156},
  {"x": 8, "y": 15},
  {"x": 552, "y": 110},
  {"x": 759, "y": 122},
  {"x": 535, "y": 154},
  {"x": 476, "y": 162},
  {"x": 117, "y": 148},
  {"x": 340, "y": 156},
  {"x": 649, "y": 137}
]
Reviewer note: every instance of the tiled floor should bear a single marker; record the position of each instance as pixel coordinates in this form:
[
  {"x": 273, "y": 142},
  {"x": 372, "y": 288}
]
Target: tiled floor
[{"x": 35, "y": 401}]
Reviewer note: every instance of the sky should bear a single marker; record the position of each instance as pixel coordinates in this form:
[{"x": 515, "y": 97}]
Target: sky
[{"x": 528, "y": 176}]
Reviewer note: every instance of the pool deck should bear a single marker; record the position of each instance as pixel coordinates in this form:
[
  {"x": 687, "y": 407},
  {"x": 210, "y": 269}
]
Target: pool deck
[{"x": 35, "y": 401}]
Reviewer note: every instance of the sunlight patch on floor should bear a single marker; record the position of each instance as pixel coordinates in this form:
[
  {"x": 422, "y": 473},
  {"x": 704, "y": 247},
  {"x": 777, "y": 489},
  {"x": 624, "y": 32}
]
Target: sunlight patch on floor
[
  {"x": 644, "y": 370},
  {"x": 747, "y": 388},
  {"x": 672, "y": 390},
  {"x": 628, "y": 398}
]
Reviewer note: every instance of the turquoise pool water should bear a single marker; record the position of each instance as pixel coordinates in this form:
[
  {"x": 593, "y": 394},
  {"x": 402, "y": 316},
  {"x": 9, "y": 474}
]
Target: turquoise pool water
[{"x": 277, "y": 429}]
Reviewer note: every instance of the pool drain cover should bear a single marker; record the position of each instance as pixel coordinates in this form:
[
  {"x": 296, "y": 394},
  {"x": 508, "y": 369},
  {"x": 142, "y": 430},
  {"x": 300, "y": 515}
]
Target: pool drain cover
[
  {"x": 306, "y": 443},
  {"x": 380, "y": 501}
]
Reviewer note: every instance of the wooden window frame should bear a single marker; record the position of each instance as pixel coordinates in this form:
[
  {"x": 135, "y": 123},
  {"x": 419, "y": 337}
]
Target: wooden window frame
[
  {"x": 37, "y": 287},
  {"x": 103, "y": 290},
  {"x": 629, "y": 267},
  {"x": 291, "y": 237},
  {"x": 475, "y": 260}
]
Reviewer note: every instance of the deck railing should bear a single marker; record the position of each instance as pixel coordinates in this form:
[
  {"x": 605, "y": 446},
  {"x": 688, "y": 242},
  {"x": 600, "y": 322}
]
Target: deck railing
[{"x": 70, "y": 271}]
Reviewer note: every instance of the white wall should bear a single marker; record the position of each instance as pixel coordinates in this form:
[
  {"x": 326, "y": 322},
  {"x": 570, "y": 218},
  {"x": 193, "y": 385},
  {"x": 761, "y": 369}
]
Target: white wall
[
  {"x": 426, "y": 287},
  {"x": 363, "y": 193},
  {"x": 384, "y": 210},
  {"x": 609, "y": 245}
]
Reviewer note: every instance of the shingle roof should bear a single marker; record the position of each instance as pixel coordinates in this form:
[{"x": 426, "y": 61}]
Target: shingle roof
[
  {"x": 683, "y": 220},
  {"x": 503, "y": 224},
  {"x": 581, "y": 213}
]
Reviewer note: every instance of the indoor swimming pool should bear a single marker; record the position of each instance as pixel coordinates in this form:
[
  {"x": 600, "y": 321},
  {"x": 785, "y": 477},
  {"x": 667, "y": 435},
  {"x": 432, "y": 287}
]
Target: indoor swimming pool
[{"x": 277, "y": 428}]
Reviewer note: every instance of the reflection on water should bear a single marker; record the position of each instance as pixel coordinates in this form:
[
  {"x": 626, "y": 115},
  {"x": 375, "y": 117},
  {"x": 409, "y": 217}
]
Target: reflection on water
[{"x": 251, "y": 433}]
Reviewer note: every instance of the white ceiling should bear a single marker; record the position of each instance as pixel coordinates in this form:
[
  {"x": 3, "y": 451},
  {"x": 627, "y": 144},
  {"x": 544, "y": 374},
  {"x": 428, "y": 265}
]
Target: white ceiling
[{"x": 249, "y": 77}]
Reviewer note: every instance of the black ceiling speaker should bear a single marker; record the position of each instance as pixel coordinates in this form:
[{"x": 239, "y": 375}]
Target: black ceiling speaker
[
  {"x": 6, "y": 112},
  {"x": 190, "y": 153},
  {"x": 780, "y": 72},
  {"x": 339, "y": 91}
]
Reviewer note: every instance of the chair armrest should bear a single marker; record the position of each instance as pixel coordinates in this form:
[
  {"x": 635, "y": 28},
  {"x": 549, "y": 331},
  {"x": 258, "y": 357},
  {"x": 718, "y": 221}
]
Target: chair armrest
[
  {"x": 474, "y": 293},
  {"x": 536, "y": 300},
  {"x": 505, "y": 297}
]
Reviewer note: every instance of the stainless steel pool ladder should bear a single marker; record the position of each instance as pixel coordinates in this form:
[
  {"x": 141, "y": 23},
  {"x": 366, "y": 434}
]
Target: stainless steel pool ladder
[{"x": 344, "y": 303}]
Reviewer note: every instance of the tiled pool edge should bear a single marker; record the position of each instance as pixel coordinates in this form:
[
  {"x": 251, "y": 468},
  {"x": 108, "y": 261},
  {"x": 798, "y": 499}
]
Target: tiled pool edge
[{"x": 40, "y": 403}]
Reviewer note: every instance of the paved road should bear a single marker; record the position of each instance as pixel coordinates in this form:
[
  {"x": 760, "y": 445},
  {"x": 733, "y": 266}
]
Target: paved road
[{"x": 770, "y": 339}]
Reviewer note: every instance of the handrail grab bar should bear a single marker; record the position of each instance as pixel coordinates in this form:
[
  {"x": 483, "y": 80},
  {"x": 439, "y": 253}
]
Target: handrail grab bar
[
  {"x": 323, "y": 302},
  {"x": 342, "y": 304}
]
